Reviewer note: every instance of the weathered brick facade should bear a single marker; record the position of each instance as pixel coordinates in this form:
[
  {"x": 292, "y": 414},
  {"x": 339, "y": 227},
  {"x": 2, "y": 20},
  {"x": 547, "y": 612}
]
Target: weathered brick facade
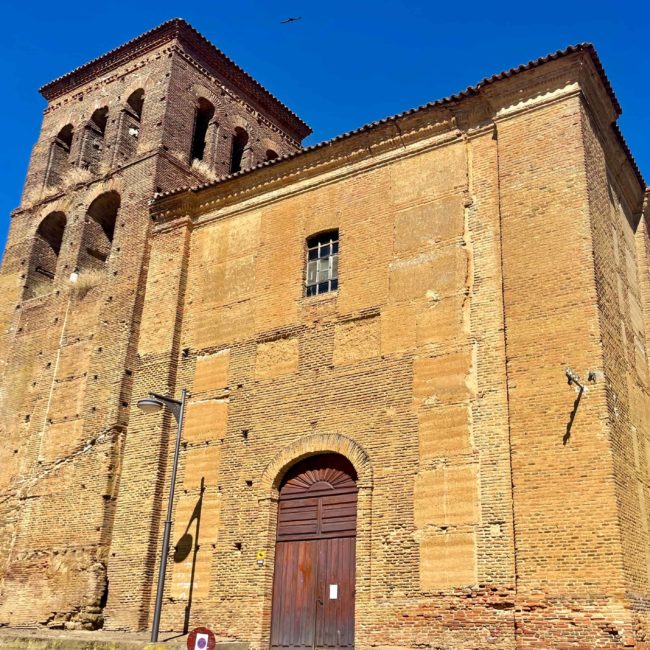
[{"x": 488, "y": 241}]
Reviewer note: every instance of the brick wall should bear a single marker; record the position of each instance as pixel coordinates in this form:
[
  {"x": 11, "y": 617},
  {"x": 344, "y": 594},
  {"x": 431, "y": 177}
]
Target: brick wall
[
  {"x": 380, "y": 364},
  {"x": 407, "y": 363},
  {"x": 616, "y": 232},
  {"x": 189, "y": 84},
  {"x": 68, "y": 367},
  {"x": 563, "y": 483},
  {"x": 68, "y": 347},
  {"x": 486, "y": 244}
]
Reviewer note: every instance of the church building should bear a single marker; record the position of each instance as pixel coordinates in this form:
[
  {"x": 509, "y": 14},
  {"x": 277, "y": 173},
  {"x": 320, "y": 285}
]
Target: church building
[{"x": 415, "y": 359}]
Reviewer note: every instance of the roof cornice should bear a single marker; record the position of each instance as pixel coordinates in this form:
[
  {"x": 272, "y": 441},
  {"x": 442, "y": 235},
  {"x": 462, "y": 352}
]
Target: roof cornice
[
  {"x": 470, "y": 92},
  {"x": 410, "y": 136},
  {"x": 210, "y": 56}
]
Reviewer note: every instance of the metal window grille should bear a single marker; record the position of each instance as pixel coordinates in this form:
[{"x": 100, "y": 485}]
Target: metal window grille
[{"x": 322, "y": 263}]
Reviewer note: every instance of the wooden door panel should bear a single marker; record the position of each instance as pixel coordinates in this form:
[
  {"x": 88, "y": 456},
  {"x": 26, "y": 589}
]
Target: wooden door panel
[
  {"x": 315, "y": 548},
  {"x": 297, "y": 517},
  {"x": 339, "y": 514},
  {"x": 335, "y": 611},
  {"x": 294, "y": 607}
]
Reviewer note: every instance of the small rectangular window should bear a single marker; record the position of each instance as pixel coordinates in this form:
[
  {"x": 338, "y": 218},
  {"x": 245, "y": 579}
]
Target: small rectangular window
[{"x": 322, "y": 263}]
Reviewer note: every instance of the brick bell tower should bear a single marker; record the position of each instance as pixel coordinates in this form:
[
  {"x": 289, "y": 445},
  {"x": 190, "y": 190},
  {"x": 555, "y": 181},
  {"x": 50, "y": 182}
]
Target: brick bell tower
[{"x": 164, "y": 110}]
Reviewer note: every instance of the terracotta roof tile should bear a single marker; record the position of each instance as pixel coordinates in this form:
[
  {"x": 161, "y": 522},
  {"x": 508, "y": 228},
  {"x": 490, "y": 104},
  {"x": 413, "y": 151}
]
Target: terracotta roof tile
[
  {"x": 176, "y": 27},
  {"x": 468, "y": 92}
]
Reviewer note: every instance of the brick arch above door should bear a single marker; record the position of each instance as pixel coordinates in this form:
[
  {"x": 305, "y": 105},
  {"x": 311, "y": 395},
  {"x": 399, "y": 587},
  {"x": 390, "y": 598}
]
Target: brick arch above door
[{"x": 310, "y": 445}]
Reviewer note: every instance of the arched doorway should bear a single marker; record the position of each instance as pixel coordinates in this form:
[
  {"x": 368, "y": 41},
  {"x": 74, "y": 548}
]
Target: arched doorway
[{"x": 314, "y": 579}]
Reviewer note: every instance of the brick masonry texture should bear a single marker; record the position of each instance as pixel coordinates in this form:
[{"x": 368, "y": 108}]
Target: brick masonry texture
[{"x": 486, "y": 244}]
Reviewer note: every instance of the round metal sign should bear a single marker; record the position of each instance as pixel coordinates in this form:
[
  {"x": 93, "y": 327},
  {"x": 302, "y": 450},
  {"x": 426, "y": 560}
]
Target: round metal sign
[{"x": 201, "y": 638}]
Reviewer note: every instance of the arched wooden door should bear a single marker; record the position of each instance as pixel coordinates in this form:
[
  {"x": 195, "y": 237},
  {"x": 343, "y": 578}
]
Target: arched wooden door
[{"x": 313, "y": 584}]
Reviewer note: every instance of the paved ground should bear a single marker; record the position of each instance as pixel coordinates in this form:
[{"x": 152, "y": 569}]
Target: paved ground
[{"x": 41, "y": 639}]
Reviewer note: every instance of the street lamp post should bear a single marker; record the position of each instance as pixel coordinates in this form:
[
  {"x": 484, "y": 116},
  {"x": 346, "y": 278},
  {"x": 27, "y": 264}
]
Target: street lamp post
[{"x": 150, "y": 405}]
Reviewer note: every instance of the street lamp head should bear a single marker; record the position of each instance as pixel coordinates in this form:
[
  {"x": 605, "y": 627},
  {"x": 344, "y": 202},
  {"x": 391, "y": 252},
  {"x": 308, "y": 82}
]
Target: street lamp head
[{"x": 150, "y": 405}]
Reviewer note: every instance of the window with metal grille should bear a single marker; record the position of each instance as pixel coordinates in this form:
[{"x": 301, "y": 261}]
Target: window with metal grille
[{"x": 322, "y": 263}]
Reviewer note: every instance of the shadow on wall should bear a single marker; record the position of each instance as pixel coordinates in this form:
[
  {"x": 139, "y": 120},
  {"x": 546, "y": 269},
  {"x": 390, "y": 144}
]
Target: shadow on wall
[
  {"x": 572, "y": 416},
  {"x": 186, "y": 545}
]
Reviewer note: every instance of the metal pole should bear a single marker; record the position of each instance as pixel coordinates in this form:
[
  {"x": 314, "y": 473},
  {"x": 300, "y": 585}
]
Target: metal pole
[{"x": 168, "y": 524}]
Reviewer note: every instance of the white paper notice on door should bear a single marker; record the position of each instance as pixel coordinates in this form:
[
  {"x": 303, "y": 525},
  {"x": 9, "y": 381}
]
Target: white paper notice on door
[{"x": 334, "y": 592}]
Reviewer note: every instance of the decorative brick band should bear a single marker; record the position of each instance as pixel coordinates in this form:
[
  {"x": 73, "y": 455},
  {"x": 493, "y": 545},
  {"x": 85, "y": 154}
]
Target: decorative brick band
[{"x": 310, "y": 445}]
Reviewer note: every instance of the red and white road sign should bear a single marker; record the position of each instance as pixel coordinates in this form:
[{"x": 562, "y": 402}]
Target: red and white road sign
[{"x": 201, "y": 638}]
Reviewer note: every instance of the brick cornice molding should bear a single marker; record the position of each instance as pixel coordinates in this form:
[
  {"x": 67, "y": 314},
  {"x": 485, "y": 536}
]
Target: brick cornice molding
[
  {"x": 572, "y": 72},
  {"x": 200, "y": 49},
  {"x": 415, "y": 134},
  {"x": 111, "y": 60},
  {"x": 202, "y": 57},
  {"x": 180, "y": 223},
  {"x": 257, "y": 108}
]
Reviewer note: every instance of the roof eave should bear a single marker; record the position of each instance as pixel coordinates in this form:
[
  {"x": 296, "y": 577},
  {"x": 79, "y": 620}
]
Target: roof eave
[
  {"x": 176, "y": 28},
  {"x": 468, "y": 92}
]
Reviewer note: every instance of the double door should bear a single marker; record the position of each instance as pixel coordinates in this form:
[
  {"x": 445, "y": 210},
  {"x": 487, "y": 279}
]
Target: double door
[
  {"x": 314, "y": 583},
  {"x": 314, "y": 579}
]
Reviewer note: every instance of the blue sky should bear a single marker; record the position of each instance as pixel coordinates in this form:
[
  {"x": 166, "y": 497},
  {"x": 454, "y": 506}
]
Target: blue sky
[{"x": 342, "y": 65}]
